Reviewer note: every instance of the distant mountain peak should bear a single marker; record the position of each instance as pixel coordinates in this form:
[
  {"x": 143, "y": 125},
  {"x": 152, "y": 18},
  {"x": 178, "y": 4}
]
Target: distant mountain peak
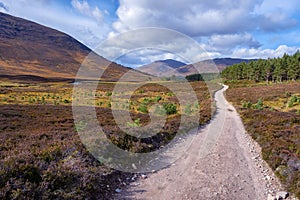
[
  {"x": 171, "y": 63},
  {"x": 162, "y": 68},
  {"x": 231, "y": 61},
  {"x": 169, "y": 67}
]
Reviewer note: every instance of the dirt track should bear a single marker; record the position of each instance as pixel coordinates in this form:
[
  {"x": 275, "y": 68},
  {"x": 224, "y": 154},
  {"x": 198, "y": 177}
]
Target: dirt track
[{"x": 223, "y": 162}]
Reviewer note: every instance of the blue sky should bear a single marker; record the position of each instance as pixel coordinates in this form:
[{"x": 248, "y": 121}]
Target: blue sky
[{"x": 223, "y": 28}]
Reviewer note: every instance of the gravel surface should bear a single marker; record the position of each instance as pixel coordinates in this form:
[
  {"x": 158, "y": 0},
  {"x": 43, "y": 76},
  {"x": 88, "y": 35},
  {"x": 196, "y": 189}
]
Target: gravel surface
[{"x": 223, "y": 162}]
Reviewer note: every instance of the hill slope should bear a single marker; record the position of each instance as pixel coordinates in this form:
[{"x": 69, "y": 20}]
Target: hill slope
[
  {"x": 172, "y": 63},
  {"x": 164, "y": 69},
  {"x": 29, "y": 49}
]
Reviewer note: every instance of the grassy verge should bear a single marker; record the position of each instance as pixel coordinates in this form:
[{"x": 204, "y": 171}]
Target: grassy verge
[{"x": 271, "y": 116}]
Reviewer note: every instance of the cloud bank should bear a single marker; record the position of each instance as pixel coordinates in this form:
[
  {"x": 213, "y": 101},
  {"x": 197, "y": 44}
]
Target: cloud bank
[
  {"x": 224, "y": 28},
  {"x": 201, "y": 18}
]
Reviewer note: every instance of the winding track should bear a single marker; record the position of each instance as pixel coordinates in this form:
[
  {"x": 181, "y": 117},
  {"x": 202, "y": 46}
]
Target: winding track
[{"x": 223, "y": 162}]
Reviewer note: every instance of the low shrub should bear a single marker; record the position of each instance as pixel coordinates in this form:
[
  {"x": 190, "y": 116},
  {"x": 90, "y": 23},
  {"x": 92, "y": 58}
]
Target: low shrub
[
  {"x": 157, "y": 99},
  {"x": 135, "y": 123},
  {"x": 142, "y": 108},
  {"x": 170, "y": 108},
  {"x": 246, "y": 104},
  {"x": 294, "y": 99},
  {"x": 259, "y": 105},
  {"x": 108, "y": 94}
]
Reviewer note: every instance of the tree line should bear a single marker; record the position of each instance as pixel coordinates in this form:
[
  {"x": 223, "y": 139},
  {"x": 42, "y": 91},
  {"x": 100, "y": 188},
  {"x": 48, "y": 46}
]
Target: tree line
[
  {"x": 202, "y": 77},
  {"x": 275, "y": 69}
]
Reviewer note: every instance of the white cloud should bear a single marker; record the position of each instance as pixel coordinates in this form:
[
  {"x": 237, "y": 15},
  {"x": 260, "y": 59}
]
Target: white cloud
[
  {"x": 84, "y": 8},
  {"x": 150, "y": 44},
  {"x": 144, "y": 56},
  {"x": 233, "y": 40},
  {"x": 277, "y": 14},
  {"x": 276, "y": 21},
  {"x": 278, "y": 6},
  {"x": 264, "y": 53},
  {"x": 3, "y": 8},
  {"x": 223, "y": 27},
  {"x": 200, "y": 18}
]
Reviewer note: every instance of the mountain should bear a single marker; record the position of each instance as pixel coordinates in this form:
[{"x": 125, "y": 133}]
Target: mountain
[
  {"x": 162, "y": 68},
  {"x": 172, "y": 63},
  {"x": 222, "y": 63},
  {"x": 208, "y": 66},
  {"x": 28, "y": 49}
]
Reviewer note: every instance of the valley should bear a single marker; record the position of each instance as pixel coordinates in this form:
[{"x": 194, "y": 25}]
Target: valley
[
  {"x": 41, "y": 153},
  {"x": 231, "y": 132}
]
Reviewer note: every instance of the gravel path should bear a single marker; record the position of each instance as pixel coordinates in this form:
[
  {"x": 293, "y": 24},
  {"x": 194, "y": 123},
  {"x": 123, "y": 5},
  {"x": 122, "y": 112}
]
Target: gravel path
[{"x": 223, "y": 162}]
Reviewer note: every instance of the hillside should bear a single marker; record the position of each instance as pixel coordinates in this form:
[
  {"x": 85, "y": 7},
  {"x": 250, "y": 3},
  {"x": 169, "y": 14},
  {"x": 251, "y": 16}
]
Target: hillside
[
  {"x": 29, "y": 50},
  {"x": 168, "y": 68},
  {"x": 207, "y": 66},
  {"x": 162, "y": 68}
]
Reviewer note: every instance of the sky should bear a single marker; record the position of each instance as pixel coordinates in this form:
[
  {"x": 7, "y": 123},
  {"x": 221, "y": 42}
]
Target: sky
[{"x": 223, "y": 28}]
